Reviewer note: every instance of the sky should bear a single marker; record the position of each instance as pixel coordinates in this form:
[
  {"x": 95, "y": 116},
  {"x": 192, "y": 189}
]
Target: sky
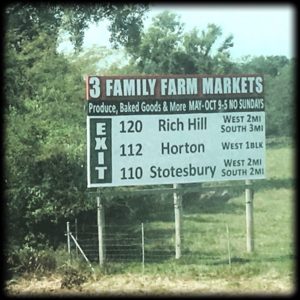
[{"x": 256, "y": 29}]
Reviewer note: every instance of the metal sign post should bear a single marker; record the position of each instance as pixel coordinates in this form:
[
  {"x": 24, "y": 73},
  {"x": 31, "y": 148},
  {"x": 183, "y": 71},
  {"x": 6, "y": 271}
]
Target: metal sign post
[
  {"x": 178, "y": 220},
  {"x": 100, "y": 224},
  {"x": 249, "y": 216}
]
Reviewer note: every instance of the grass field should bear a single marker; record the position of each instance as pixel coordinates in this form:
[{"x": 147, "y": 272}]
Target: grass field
[{"x": 214, "y": 260}]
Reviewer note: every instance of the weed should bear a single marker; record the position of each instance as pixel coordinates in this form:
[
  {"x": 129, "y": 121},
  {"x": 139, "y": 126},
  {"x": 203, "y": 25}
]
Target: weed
[{"x": 72, "y": 277}]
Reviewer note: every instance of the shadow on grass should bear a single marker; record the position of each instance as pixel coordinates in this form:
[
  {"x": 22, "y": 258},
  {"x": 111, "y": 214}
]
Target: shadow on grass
[
  {"x": 210, "y": 259},
  {"x": 212, "y": 206},
  {"x": 205, "y": 258},
  {"x": 234, "y": 260},
  {"x": 279, "y": 258},
  {"x": 275, "y": 183},
  {"x": 195, "y": 203},
  {"x": 217, "y": 258}
]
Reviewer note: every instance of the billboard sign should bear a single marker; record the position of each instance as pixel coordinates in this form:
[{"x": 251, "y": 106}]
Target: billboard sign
[{"x": 169, "y": 129}]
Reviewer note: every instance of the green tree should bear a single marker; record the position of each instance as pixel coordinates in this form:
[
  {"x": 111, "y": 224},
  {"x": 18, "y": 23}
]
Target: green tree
[
  {"x": 206, "y": 52},
  {"x": 45, "y": 130},
  {"x": 44, "y": 143},
  {"x": 279, "y": 81},
  {"x": 28, "y": 21},
  {"x": 269, "y": 65},
  {"x": 159, "y": 45},
  {"x": 280, "y": 101},
  {"x": 165, "y": 48}
]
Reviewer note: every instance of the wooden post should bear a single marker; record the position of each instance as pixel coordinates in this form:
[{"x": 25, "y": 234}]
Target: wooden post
[
  {"x": 178, "y": 221},
  {"x": 68, "y": 239},
  {"x": 249, "y": 216},
  {"x": 100, "y": 223}
]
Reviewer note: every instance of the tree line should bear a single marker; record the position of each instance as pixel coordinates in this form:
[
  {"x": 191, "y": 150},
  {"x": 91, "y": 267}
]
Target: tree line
[{"x": 45, "y": 117}]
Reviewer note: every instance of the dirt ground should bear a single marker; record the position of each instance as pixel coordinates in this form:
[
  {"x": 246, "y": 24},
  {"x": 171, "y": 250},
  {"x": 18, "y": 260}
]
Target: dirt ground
[{"x": 133, "y": 284}]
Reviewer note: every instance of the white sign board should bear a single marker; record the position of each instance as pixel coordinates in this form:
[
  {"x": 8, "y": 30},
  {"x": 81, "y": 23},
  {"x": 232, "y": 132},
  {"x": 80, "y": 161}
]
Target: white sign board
[{"x": 181, "y": 133}]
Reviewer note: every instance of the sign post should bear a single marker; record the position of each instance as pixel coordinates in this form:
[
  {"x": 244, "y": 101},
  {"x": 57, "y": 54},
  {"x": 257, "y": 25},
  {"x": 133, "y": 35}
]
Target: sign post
[
  {"x": 178, "y": 221},
  {"x": 100, "y": 224},
  {"x": 249, "y": 216}
]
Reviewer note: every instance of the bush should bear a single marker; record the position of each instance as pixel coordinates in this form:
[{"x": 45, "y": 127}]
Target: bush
[{"x": 29, "y": 260}]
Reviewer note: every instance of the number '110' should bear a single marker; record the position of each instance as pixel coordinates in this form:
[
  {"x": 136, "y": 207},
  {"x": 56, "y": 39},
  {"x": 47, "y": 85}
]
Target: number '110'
[{"x": 131, "y": 173}]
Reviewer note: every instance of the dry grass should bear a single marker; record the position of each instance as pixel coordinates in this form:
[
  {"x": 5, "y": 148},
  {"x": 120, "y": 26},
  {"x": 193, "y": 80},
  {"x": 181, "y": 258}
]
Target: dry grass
[{"x": 134, "y": 284}]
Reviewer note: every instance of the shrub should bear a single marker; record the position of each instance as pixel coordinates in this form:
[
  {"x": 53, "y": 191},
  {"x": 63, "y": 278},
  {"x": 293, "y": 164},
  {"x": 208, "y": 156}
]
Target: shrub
[{"x": 29, "y": 260}]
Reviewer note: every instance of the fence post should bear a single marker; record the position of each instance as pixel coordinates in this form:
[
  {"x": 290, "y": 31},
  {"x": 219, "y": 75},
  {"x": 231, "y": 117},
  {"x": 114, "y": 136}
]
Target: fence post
[
  {"x": 76, "y": 236},
  {"x": 178, "y": 220},
  {"x": 249, "y": 216},
  {"x": 228, "y": 245},
  {"x": 68, "y": 239},
  {"x": 143, "y": 248},
  {"x": 84, "y": 256},
  {"x": 100, "y": 223}
]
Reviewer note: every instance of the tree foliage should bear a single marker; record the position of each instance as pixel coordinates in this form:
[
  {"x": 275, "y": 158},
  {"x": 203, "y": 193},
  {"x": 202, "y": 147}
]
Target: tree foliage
[
  {"x": 44, "y": 141},
  {"x": 281, "y": 101},
  {"x": 165, "y": 48},
  {"x": 269, "y": 65},
  {"x": 279, "y": 80},
  {"x": 28, "y": 21},
  {"x": 45, "y": 130}
]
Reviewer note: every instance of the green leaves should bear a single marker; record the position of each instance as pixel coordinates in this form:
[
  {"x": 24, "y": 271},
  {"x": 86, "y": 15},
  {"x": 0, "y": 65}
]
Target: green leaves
[
  {"x": 44, "y": 137},
  {"x": 280, "y": 102},
  {"x": 164, "y": 48},
  {"x": 45, "y": 134},
  {"x": 28, "y": 21},
  {"x": 269, "y": 65}
]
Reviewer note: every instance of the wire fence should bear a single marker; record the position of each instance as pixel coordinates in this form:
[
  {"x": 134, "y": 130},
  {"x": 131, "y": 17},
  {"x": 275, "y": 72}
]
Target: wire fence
[
  {"x": 211, "y": 243},
  {"x": 204, "y": 237}
]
